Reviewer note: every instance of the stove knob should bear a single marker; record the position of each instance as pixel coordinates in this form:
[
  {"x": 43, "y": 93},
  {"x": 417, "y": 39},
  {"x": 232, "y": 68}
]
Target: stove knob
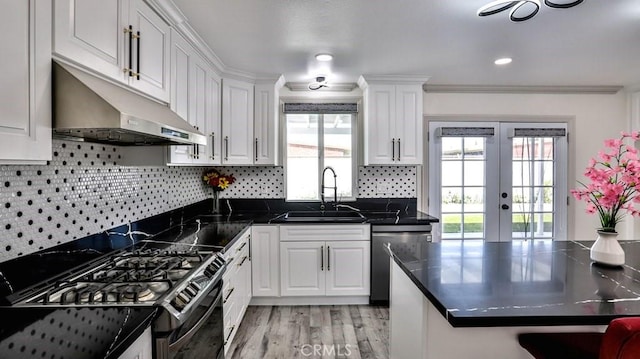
[
  {"x": 191, "y": 291},
  {"x": 184, "y": 297},
  {"x": 209, "y": 272},
  {"x": 196, "y": 286},
  {"x": 178, "y": 303}
]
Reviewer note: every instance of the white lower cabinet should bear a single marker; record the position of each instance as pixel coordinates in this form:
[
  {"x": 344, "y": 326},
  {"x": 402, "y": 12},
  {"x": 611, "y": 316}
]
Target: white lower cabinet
[
  {"x": 348, "y": 266},
  {"x": 310, "y": 266},
  {"x": 302, "y": 268},
  {"x": 265, "y": 260},
  {"x": 236, "y": 292},
  {"x": 141, "y": 348}
]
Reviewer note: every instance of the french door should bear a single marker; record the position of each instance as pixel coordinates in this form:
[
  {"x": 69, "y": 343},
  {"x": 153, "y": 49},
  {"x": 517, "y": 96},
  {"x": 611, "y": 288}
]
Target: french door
[{"x": 498, "y": 181}]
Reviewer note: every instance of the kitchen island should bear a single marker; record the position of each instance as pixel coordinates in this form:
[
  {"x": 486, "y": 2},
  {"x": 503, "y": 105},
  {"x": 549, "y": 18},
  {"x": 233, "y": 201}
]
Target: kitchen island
[{"x": 470, "y": 299}]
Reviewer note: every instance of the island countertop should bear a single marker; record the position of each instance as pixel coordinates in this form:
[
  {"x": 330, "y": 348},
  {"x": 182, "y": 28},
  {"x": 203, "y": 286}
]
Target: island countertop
[{"x": 473, "y": 283}]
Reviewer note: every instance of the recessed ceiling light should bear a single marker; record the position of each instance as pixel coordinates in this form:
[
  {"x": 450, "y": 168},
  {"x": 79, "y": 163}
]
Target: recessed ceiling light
[
  {"x": 503, "y": 61},
  {"x": 324, "y": 57}
]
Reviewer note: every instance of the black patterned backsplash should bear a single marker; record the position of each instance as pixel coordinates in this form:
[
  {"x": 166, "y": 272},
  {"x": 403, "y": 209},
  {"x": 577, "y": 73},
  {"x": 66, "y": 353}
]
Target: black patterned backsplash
[{"x": 84, "y": 190}]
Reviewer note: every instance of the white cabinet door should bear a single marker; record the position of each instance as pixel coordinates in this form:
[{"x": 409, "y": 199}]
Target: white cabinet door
[
  {"x": 379, "y": 124},
  {"x": 150, "y": 51},
  {"x": 89, "y": 33},
  {"x": 200, "y": 115},
  {"x": 25, "y": 94},
  {"x": 195, "y": 96},
  {"x": 121, "y": 39},
  {"x": 237, "y": 122},
  {"x": 408, "y": 125},
  {"x": 393, "y": 124},
  {"x": 347, "y": 271},
  {"x": 265, "y": 261},
  {"x": 266, "y": 124},
  {"x": 181, "y": 90},
  {"x": 302, "y": 268},
  {"x": 214, "y": 124}
]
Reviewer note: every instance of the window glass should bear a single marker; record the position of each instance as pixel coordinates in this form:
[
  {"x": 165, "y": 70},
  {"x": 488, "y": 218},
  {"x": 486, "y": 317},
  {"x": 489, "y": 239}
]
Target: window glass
[{"x": 311, "y": 147}]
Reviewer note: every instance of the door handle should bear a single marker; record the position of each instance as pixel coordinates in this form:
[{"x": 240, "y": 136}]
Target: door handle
[
  {"x": 256, "y": 149},
  {"x": 505, "y": 206},
  {"x": 226, "y": 148},
  {"x": 398, "y": 149},
  {"x": 328, "y": 258},
  {"x": 393, "y": 149},
  {"x": 213, "y": 146},
  {"x": 226, "y": 341},
  {"x": 243, "y": 260},
  {"x": 228, "y": 295},
  {"x": 128, "y": 32},
  {"x": 197, "y": 129},
  {"x": 137, "y": 37},
  {"x": 321, "y": 258}
]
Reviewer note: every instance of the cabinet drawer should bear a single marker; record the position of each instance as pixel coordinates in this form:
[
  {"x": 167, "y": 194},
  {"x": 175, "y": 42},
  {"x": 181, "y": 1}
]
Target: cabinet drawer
[
  {"x": 240, "y": 245},
  {"x": 322, "y": 232}
]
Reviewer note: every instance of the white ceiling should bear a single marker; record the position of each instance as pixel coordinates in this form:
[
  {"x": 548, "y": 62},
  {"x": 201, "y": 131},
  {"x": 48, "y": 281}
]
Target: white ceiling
[{"x": 594, "y": 43}]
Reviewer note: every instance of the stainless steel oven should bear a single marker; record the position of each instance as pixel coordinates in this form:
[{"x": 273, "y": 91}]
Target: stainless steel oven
[
  {"x": 184, "y": 281},
  {"x": 200, "y": 336}
]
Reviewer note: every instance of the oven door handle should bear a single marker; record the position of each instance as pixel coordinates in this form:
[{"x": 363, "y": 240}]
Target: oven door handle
[{"x": 188, "y": 335}]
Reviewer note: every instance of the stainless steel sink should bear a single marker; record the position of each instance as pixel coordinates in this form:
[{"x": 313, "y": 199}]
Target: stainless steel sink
[{"x": 322, "y": 216}]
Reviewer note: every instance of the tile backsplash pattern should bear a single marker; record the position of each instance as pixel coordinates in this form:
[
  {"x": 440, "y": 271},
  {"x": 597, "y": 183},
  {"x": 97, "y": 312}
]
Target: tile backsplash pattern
[
  {"x": 84, "y": 190},
  {"x": 254, "y": 182},
  {"x": 387, "y": 182}
]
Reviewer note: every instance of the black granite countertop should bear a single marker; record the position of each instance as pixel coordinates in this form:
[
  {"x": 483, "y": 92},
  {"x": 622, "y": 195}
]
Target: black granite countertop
[
  {"x": 477, "y": 284},
  {"x": 86, "y": 333},
  {"x": 106, "y": 332}
]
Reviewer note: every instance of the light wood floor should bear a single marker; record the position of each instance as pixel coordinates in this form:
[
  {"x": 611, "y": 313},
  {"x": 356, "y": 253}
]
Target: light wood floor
[{"x": 283, "y": 332}]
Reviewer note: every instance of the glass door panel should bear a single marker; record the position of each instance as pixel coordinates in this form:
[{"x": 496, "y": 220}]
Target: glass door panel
[
  {"x": 533, "y": 165},
  {"x": 507, "y": 183},
  {"x": 464, "y": 161}
]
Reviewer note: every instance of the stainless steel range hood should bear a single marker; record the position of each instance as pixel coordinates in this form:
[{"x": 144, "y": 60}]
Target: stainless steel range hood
[{"x": 91, "y": 109}]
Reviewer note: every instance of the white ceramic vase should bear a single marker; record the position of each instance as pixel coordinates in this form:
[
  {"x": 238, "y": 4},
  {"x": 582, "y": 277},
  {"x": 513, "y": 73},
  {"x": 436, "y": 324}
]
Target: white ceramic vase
[{"x": 607, "y": 250}]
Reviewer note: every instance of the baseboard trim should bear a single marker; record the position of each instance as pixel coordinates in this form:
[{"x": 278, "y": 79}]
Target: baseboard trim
[{"x": 351, "y": 300}]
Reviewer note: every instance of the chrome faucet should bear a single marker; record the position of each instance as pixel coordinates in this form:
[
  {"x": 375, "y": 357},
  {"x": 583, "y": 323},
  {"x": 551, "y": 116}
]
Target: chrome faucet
[{"x": 335, "y": 187}]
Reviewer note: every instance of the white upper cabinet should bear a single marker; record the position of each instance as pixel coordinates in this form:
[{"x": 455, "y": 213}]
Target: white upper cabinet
[
  {"x": 181, "y": 59},
  {"x": 209, "y": 112},
  {"x": 266, "y": 121},
  {"x": 89, "y": 33},
  {"x": 25, "y": 94},
  {"x": 393, "y": 122},
  {"x": 121, "y": 39},
  {"x": 150, "y": 40},
  {"x": 250, "y": 120},
  {"x": 195, "y": 96},
  {"x": 237, "y": 123}
]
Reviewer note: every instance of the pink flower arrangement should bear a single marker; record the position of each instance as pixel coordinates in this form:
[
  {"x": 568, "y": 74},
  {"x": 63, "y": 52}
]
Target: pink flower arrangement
[{"x": 615, "y": 181}]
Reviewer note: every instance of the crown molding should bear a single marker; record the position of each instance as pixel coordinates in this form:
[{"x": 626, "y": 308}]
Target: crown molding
[
  {"x": 593, "y": 90},
  {"x": 277, "y": 82},
  {"x": 415, "y": 79},
  {"x": 178, "y": 21},
  {"x": 332, "y": 87}
]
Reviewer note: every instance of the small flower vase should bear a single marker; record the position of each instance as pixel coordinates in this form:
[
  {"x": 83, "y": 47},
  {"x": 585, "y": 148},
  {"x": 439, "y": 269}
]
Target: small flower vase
[
  {"x": 216, "y": 203},
  {"x": 607, "y": 250}
]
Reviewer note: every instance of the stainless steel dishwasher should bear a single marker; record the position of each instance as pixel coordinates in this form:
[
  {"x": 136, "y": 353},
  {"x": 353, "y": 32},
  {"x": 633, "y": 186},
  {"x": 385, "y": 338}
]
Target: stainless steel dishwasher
[{"x": 407, "y": 239}]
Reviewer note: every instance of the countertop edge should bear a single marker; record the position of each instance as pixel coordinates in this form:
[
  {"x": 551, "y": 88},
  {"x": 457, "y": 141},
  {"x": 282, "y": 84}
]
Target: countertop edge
[{"x": 504, "y": 321}]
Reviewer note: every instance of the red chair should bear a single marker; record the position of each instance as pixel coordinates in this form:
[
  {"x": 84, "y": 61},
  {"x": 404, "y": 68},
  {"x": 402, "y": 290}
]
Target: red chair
[{"x": 621, "y": 340}]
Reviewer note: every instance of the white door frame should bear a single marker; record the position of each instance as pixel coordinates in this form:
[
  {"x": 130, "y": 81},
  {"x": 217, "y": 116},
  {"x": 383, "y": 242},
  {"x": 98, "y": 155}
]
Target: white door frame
[{"x": 492, "y": 199}]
